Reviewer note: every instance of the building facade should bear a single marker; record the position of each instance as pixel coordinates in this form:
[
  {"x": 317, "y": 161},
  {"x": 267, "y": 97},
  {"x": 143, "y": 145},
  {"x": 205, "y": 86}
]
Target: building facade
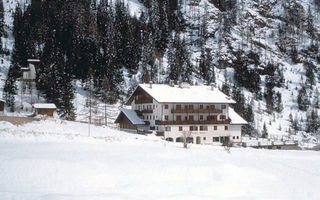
[{"x": 202, "y": 113}]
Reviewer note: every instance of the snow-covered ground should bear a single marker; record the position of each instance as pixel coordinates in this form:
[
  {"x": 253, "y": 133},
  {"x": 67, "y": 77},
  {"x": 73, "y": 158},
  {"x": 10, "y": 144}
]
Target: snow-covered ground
[{"x": 56, "y": 160}]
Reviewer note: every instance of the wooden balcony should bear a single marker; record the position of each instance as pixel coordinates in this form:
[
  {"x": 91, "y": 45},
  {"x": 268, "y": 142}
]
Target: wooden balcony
[
  {"x": 196, "y": 111},
  {"x": 189, "y": 122},
  {"x": 141, "y": 101},
  {"x": 146, "y": 111}
]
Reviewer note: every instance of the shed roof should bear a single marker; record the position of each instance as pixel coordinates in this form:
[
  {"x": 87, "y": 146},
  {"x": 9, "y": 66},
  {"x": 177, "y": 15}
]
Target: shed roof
[
  {"x": 44, "y": 106},
  {"x": 164, "y": 93},
  {"x": 236, "y": 118},
  {"x": 131, "y": 115}
]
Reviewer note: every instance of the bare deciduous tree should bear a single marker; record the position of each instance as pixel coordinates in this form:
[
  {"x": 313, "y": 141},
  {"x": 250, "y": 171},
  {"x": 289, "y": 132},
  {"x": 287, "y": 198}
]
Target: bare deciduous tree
[{"x": 185, "y": 136}]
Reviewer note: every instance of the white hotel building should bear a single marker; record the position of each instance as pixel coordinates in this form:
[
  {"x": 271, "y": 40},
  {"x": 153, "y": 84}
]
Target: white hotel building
[{"x": 171, "y": 110}]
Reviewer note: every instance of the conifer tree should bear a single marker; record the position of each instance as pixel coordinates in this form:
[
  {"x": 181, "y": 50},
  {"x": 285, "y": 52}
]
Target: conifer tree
[
  {"x": 1, "y": 22},
  {"x": 206, "y": 67},
  {"x": 303, "y": 100},
  {"x": 264, "y": 131},
  {"x": 313, "y": 122}
]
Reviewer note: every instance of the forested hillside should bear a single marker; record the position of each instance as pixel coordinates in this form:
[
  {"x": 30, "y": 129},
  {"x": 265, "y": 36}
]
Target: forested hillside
[{"x": 264, "y": 54}]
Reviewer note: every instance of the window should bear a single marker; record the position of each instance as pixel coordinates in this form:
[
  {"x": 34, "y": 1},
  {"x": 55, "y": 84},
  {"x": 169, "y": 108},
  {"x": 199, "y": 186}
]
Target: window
[
  {"x": 166, "y": 117},
  {"x": 226, "y": 128},
  {"x": 222, "y": 117},
  {"x": 186, "y": 118},
  {"x": 193, "y": 128},
  {"x": 233, "y": 137},
  {"x": 191, "y": 118},
  {"x": 224, "y": 106},
  {"x": 212, "y": 106},
  {"x": 237, "y": 137},
  {"x": 190, "y": 107},
  {"x": 215, "y": 128},
  {"x": 166, "y": 106},
  {"x": 178, "y": 107},
  {"x": 180, "y": 128},
  {"x": 203, "y": 128},
  {"x": 215, "y": 118},
  {"x": 138, "y": 107},
  {"x": 215, "y": 139},
  {"x": 204, "y": 138},
  {"x": 143, "y": 107},
  {"x": 201, "y": 106},
  {"x": 168, "y": 128},
  {"x": 154, "y": 107},
  {"x": 185, "y": 106},
  {"x": 178, "y": 117},
  {"x": 201, "y": 117},
  {"x": 153, "y": 117}
]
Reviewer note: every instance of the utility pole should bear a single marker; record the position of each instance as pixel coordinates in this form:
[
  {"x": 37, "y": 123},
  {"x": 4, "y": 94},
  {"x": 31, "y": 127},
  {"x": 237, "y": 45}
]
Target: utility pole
[
  {"x": 105, "y": 113},
  {"x": 90, "y": 104}
]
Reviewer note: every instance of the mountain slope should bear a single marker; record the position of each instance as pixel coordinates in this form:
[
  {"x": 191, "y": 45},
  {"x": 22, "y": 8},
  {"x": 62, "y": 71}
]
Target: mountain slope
[{"x": 262, "y": 53}]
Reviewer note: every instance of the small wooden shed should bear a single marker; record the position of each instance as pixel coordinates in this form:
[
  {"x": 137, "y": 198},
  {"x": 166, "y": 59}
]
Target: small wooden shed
[
  {"x": 29, "y": 73},
  {"x": 45, "y": 108},
  {"x": 2, "y": 105},
  {"x": 129, "y": 120}
]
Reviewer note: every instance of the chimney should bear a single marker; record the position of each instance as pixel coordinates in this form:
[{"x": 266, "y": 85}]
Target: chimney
[
  {"x": 171, "y": 83},
  {"x": 150, "y": 84}
]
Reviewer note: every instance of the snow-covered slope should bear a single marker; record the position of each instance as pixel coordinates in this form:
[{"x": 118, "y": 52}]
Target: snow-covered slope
[
  {"x": 256, "y": 30},
  {"x": 36, "y": 163}
]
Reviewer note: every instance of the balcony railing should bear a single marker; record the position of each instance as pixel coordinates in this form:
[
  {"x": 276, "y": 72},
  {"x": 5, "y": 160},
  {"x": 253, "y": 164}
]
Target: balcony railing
[
  {"x": 187, "y": 122},
  {"x": 210, "y": 110},
  {"x": 140, "y": 101},
  {"x": 146, "y": 111}
]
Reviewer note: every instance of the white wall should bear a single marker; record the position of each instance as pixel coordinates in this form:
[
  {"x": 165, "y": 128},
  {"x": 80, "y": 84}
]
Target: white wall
[{"x": 233, "y": 131}]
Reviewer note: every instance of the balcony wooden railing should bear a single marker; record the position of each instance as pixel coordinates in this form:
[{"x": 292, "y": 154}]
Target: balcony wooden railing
[
  {"x": 140, "y": 101},
  {"x": 187, "y": 122},
  {"x": 210, "y": 110},
  {"x": 146, "y": 111}
]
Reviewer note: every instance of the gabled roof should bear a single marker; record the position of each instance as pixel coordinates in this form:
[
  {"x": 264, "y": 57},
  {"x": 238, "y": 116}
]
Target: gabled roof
[
  {"x": 44, "y": 105},
  {"x": 236, "y": 118},
  {"x": 131, "y": 115},
  {"x": 164, "y": 93}
]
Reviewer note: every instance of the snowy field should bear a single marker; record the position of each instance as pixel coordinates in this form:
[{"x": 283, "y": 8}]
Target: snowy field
[{"x": 56, "y": 160}]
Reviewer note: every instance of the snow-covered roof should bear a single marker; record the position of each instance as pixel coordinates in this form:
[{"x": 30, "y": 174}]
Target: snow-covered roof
[
  {"x": 33, "y": 60},
  {"x": 132, "y": 116},
  {"x": 164, "y": 93},
  {"x": 2, "y": 100},
  {"x": 44, "y": 105},
  {"x": 25, "y": 68},
  {"x": 236, "y": 118}
]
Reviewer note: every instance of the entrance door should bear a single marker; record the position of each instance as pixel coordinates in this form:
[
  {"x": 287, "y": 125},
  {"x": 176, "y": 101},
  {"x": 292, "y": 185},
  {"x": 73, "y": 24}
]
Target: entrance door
[
  {"x": 198, "y": 140},
  {"x": 224, "y": 140}
]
